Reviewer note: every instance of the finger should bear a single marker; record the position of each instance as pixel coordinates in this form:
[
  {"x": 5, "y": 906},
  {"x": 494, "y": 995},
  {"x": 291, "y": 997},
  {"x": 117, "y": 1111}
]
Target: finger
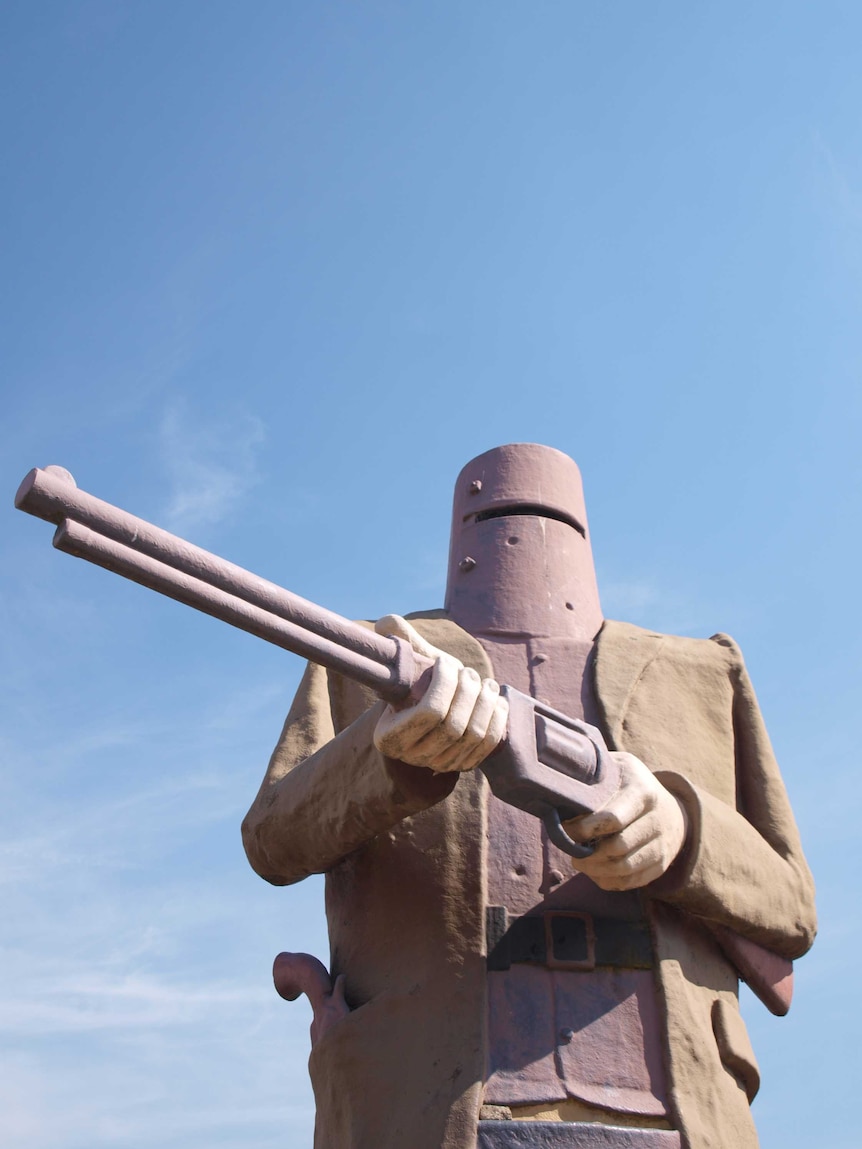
[
  {"x": 437, "y": 699},
  {"x": 629, "y": 803},
  {"x": 496, "y": 734},
  {"x": 453, "y": 759},
  {"x": 484, "y": 731},
  {"x": 481, "y": 715},
  {"x": 468, "y": 706},
  {"x": 636, "y": 836},
  {"x": 574, "y": 828},
  {"x": 398, "y": 731},
  {"x": 453, "y": 756},
  {"x": 446, "y": 735},
  {"x": 642, "y": 877},
  {"x": 631, "y": 879},
  {"x": 614, "y": 850},
  {"x": 630, "y": 871}
]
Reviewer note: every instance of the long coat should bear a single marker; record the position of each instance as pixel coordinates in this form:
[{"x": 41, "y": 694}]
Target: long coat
[{"x": 403, "y": 851}]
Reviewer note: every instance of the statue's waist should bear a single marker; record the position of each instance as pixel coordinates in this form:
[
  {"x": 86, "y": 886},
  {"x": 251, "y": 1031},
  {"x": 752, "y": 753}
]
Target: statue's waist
[{"x": 566, "y": 940}]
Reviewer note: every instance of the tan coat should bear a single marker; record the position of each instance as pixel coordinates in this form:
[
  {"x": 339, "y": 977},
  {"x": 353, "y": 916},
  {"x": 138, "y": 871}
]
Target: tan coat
[{"x": 403, "y": 853}]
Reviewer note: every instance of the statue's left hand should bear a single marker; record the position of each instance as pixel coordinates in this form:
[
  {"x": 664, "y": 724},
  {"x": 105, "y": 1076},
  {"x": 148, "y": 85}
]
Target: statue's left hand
[
  {"x": 456, "y": 723},
  {"x": 639, "y": 832}
]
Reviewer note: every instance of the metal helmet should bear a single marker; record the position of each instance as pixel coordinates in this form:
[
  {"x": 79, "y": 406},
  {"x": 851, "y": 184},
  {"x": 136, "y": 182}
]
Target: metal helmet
[{"x": 520, "y": 561}]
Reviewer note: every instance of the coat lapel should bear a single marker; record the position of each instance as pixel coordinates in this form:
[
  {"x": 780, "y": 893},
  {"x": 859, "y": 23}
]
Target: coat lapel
[{"x": 623, "y": 652}]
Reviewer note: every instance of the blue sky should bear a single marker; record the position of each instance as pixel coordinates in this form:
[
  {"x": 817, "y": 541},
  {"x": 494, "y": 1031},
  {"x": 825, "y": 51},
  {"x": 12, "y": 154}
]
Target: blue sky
[{"x": 273, "y": 273}]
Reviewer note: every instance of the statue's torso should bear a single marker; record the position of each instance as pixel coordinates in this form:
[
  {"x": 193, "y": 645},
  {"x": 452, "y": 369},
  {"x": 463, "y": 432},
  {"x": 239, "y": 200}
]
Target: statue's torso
[{"x": 555, "y": 1034}]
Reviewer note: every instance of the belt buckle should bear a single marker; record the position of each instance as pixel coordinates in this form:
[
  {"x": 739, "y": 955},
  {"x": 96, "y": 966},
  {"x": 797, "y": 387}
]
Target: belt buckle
[{"x": 551, "y": 960}]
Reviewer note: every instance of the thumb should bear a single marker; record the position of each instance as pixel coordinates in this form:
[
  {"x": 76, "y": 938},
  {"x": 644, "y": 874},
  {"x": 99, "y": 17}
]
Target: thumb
[
  {"x": 396, "y": 626},
  {"x": 338, "y": 990}
]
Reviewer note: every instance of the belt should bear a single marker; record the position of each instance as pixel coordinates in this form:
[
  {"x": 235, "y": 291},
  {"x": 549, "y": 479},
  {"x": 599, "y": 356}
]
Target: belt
[
  {"x": 566, "y": 1135},
  {"x": 566, "y": 939}
]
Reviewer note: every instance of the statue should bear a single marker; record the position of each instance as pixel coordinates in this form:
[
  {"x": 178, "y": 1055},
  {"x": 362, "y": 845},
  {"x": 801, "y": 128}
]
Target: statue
[
  {"x": 497, "y": 984},
  {"x": 491, "y": 990}
]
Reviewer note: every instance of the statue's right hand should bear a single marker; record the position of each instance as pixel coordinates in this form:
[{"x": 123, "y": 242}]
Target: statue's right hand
[{"x": 456, "y": 723}]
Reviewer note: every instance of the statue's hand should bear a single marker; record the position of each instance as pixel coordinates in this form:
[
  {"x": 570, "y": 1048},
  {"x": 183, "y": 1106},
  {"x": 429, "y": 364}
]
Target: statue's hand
[
  {"x": 456, "y": 723},
  {"x": 640, "y": 830}
]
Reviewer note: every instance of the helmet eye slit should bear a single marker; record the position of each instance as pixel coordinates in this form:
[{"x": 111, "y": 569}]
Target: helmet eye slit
[{"x": 534, "y": 509}]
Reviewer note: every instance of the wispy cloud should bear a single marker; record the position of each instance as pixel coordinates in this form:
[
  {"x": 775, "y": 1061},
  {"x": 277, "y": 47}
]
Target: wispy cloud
[
  {"x": 151, "y": 1067},
  {"x": 847, "y": 198},
  {"x": 96, "y": 833},
  {"x": 842, "y": 193},
  {"x": 650, "y": 603},
  {"x": 211, "y": 463},
  {"x": 136, "y": 1006},
  {"x": 626, "y": 599},
  {"x": 87, "y": 1001}
]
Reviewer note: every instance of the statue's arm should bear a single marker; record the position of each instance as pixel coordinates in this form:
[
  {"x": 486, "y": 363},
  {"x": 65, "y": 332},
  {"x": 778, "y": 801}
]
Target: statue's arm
[
  {"x": 739, "y": 866},
  {"x": 326, "y": 794},
  {"x": 744, "y": 868}
]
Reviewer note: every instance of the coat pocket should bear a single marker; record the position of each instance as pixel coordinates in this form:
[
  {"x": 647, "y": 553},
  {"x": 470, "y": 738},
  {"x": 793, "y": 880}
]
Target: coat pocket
[{"x": 734, "y": 1047}]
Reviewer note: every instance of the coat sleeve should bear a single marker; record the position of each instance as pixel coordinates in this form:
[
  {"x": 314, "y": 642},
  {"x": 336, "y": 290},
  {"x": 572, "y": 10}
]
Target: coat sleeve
[
  {"x": 325, "y": 793},
  {"x": 744, "y": 868},
  {"x": 327, "y": 790}
]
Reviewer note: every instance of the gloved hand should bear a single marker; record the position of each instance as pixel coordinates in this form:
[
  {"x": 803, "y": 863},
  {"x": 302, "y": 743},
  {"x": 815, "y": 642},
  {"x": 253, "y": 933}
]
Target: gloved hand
[
  {"x": 456, "y": 723},
  {"x": 640, "y": 830}
]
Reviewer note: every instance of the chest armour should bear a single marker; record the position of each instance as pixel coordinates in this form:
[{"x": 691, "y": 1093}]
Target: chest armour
[
  {"x": 565, "y": 1019},
  {"x": 572, "y": 1008}
]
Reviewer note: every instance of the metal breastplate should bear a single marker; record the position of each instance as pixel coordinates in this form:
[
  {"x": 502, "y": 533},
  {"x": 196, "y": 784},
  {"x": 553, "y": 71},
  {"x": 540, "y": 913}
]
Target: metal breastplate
[{"x": 572, "y": 1005}]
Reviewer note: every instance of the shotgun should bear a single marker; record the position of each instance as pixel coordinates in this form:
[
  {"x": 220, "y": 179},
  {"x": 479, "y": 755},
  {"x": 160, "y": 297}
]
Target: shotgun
[{"x": 549, "y": 765}]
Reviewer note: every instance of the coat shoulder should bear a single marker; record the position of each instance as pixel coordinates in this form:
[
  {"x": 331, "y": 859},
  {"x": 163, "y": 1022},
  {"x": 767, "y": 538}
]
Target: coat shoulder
[{"x": 638, "y": 643}]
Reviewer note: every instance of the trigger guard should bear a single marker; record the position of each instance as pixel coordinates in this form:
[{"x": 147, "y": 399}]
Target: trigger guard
[{"x": 554, "y": 826}]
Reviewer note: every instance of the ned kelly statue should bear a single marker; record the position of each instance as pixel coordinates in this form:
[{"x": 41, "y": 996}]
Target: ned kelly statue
[
  {"x": 492, "y": 989},
  {"x": 553, "y": 843}
]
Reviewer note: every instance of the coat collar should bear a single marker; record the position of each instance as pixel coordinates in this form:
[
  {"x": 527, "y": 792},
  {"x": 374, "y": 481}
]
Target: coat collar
[{"x": 623, "y": 652}]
